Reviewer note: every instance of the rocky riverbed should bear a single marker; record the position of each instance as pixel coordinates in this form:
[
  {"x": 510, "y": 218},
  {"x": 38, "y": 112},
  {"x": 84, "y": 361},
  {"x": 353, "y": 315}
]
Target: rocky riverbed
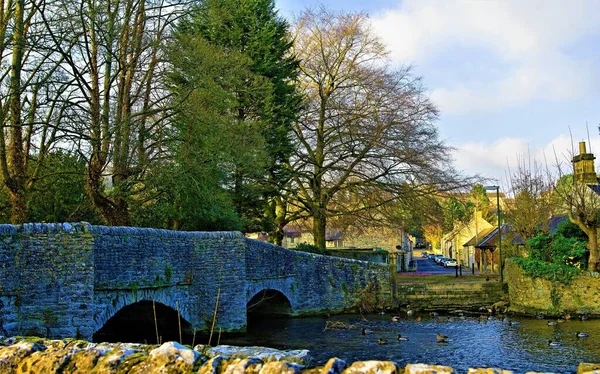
[{"x": 37, "y": 355}]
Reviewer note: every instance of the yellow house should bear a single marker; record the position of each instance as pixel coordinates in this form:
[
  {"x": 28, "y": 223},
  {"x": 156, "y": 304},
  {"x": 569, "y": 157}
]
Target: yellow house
[{"x": 452, "y": 242}]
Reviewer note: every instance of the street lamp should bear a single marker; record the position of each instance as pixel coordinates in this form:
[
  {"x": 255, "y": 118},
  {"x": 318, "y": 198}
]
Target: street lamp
[{"x": 497, "y": 188}]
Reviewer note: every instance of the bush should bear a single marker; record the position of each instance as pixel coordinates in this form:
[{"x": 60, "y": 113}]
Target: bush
[
  {"x": 552, "y": 272},
  {"x": 558, "y": 250},
  {"x": 556, "y": 258},
  {"x": 304, "y": 247}
]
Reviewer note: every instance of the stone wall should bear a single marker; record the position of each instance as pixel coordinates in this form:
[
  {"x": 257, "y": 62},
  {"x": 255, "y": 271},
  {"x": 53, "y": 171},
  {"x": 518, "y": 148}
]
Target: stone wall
[
  {"x": 536, "y": 295},
  {"x": 68, "y": 280},
  {"x": 380, "y": 256},
  {"x": 73, "y": 356},
  {"x": 448, "y": 295},
  {"x": 312, "y": 283},
  {"x": 47, "y": 273},
  {"x": 182, "y": 270}
]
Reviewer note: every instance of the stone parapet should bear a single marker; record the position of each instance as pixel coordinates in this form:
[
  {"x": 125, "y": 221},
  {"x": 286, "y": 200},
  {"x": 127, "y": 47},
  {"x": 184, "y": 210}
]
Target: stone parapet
[{"x": 34, "y": 355}]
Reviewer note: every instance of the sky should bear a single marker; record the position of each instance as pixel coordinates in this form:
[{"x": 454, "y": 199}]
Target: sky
[{"x": 513, "y": 79}]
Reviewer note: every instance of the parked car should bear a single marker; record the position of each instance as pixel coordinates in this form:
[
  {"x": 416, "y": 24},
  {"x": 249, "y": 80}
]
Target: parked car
[
  {"x": 436, "y": 258},
  {"x": 424, "y": 254},
  {"x": 450, "y": 263},
  {"x": 440, "y": 260}
]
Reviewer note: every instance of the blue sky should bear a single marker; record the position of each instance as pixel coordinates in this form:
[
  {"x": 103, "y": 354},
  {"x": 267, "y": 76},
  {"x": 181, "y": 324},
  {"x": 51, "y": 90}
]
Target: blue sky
[{"x": 512, "y": 79}]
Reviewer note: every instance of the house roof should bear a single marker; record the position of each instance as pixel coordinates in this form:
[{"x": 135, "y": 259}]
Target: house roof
[
  {"x": 595, "y": 188},
  {"x": 491, "y": 239},
  {"x": 334, "y": 235},
  {"x": 481, "y": 234},
  {"x": 554, "y": 221}
]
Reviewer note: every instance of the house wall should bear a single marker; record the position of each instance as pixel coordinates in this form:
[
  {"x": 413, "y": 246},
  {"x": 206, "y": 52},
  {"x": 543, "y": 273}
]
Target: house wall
[{"x": 452, "y": 243}]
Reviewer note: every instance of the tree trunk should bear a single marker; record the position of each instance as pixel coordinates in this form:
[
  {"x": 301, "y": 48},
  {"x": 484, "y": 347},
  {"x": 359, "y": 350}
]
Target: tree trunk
[
  {"x": 280, "y": 220},
  {"x": 16, "y": 156},
  {"x": 18, "y": 213},
  {"x": 319, "y": 227},
  {"x": 592, "y": 234}
]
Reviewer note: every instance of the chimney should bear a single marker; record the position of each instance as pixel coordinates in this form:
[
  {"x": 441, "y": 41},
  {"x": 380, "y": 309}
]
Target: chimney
[{"x": 583, "y": 167}]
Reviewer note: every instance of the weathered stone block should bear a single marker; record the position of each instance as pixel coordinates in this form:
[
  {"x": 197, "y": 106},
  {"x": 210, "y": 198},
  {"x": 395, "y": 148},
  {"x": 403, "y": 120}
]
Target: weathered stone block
[
  {"x": 488, "y": 371},
  {"x": 427, "y": 369},
  {"x": 334, "y": 366},
  {"x": 588, "y": 368},
  {"x": 371, "y": 367},
  {"x": 280, "y": 367}
]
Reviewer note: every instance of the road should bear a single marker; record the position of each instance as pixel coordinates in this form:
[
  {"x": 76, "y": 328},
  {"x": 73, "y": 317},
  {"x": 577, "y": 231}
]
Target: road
[{"x": 429, "y": 266}]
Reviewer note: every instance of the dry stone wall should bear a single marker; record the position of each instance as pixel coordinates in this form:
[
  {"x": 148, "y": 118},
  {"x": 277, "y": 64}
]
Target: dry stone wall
[
  {"x": 75, "y": 356},
  {"x": 47, "y": 280},
  {"x": 67, "y": 280},
  {"x": 536, "y": 295},
  {"x": 312, "y": 283}
]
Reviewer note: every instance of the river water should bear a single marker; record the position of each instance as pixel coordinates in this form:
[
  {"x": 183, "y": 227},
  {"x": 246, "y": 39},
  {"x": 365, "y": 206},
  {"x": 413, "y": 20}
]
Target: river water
[{"x": 473, "y": 342}]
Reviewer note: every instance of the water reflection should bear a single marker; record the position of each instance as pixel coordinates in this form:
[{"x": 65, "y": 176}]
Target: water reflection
[{"x": 473, "y": 342}]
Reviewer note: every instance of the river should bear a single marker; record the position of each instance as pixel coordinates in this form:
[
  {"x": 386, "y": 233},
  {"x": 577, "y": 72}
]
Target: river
[{"x": 473, "y": 342}]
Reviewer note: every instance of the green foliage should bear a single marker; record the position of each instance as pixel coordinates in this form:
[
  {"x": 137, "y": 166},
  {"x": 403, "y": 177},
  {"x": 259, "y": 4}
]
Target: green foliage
[
  {"x": 304, "y": 247},
  {"x": 553, "y": 272},
  {"x": 570, "y": 230},
  {"x": 235, "y": 75},
  {"x": 454, "y": 210},
  {"x": 59, "y": 193},
  {"x": 556, "y": 258},
  {"x": 558, "y": 250}
]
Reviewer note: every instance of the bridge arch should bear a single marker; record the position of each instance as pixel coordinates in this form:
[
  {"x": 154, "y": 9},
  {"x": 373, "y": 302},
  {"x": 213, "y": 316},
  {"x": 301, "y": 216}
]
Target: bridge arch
[
  {"x": 110, "y": 303},
  {"x": 269, "y": 301},
  {"x": 141, "y": 322}
]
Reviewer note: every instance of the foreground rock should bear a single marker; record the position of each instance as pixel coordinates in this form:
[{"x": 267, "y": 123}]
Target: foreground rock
[{"x": 36, "y": 355}]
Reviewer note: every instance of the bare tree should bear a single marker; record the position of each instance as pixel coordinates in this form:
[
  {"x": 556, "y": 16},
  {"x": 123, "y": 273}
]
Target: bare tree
[
  {"x": 30, "y": 105},
  {"x": 112, "y": 52},
  {"x": 577, "y": 195},
  {"x": 531, "y": 205},
  {"x": 365, "y": 128}
]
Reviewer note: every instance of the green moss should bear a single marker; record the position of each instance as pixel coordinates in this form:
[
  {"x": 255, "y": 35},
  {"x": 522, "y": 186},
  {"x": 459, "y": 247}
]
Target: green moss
[
  {"x": 555, "y": 297},
  {"x": 134, "y": 289},
  {"x": 49, "y": 317},
  {"x": 131, "y": 361},
  {"x": 331, "y": 280}
]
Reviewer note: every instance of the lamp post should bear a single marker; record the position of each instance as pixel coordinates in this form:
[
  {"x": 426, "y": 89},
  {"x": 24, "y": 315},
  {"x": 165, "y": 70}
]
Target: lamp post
[{"x": 497, "y": 188}]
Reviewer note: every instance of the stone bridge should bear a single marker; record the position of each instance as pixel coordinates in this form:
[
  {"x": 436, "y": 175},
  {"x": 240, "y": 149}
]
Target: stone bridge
[{"x": 68, "y": 280}]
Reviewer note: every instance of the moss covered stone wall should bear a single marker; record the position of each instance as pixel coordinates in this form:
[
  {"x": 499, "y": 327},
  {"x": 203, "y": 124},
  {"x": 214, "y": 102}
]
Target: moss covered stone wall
[
  {"x": 68, "y": 280},
  {"x": 46, "y": 273},
  {"x": 536, "y": 295},
  {"x": 182, "y": 270},
  {"x": 312, "y": 283}
]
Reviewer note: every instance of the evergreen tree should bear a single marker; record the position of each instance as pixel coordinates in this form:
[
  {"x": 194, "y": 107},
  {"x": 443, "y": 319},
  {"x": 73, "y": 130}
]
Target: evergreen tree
[{"x": 266, "y": 101}]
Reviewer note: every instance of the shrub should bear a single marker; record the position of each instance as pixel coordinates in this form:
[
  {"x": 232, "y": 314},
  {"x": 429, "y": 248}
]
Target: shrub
[
  {"x": 304, "y": 247},
  {"x": 553, "y": 272},
  {"x": 556, "y": 258},
  {"x": 557, "y": 249}
]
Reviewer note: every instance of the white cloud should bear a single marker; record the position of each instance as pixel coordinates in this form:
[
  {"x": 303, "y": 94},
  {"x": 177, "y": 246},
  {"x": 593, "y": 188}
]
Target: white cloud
[
  {"x": 499, "y": 159},
  {"x": 530, "y": 39}
]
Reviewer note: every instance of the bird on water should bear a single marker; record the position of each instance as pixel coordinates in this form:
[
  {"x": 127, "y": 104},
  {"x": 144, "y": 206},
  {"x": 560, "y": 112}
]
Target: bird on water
[
  {"x": 441, "y": 338},
  {"x": 366, "y": 331}
]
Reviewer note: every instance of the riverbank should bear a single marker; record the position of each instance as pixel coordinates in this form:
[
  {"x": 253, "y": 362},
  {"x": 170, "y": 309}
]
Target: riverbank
[{"x": 36, "y": 355}]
